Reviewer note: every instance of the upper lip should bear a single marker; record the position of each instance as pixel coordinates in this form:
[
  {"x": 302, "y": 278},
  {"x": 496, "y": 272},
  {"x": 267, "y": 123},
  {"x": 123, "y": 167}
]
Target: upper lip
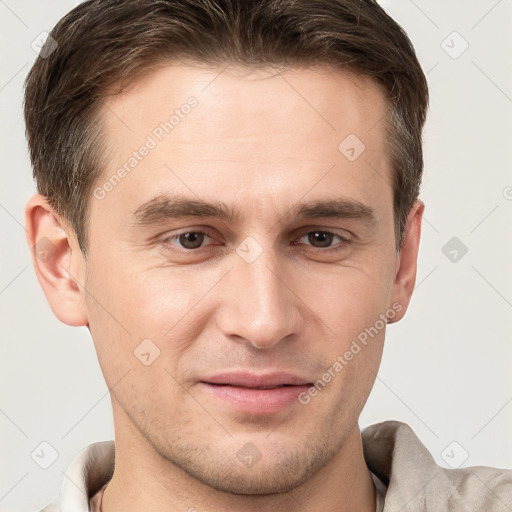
[{"x": 250, "y": 380}]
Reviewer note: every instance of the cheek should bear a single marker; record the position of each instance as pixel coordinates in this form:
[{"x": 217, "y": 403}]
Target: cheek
[
  {"x": 173, "y": 305},
  {"x": 348, "y": 299},
  {"x": 128, "y": 307},
  {"x": 147, "y": 302},
  {"x": 352, "y": 306}
]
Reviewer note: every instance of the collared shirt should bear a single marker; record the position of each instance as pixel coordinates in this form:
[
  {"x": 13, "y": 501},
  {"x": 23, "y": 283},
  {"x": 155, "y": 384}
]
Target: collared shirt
[{"x": 405, "y": 475}]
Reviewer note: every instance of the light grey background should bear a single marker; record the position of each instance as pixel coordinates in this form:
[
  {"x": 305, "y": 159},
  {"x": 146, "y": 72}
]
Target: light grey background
[{"x": 446, "y": 369}]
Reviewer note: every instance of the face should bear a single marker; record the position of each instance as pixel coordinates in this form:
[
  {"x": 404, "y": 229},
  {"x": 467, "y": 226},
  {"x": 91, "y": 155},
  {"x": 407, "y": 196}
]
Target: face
[{"x": 290, "y": 266}]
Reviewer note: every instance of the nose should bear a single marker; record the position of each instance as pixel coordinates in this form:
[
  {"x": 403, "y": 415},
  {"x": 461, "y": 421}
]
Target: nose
[{"x": 259, "y": 305}]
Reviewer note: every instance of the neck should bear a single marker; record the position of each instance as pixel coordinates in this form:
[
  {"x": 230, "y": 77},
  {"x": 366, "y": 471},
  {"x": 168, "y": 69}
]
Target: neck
[{"x": 143, "y": 480}]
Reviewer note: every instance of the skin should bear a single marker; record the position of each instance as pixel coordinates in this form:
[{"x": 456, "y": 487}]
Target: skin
[{"x": 261, "y": 142}]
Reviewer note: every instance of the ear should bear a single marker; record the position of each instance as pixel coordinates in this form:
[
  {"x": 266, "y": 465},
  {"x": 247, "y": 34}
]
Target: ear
[
  {"x": 58, "y": 261},
  {"x": 405, "y": 274}
]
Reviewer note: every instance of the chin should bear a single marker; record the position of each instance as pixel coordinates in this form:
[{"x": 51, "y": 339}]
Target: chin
[{"x": 266, "y": 482}]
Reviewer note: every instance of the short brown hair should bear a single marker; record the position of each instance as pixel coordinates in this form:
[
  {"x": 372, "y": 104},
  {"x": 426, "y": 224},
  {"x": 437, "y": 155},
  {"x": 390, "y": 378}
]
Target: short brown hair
[{"x": 106, "y": 43}]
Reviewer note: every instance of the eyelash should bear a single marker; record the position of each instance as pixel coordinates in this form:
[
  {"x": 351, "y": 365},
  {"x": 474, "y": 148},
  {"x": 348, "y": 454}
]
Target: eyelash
[{"x": 344, "y": 241}]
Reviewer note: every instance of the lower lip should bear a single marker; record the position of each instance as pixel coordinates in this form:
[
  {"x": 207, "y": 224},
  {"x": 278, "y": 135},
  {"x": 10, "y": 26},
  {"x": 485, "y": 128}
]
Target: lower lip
[{"x": 256, "y": 401}]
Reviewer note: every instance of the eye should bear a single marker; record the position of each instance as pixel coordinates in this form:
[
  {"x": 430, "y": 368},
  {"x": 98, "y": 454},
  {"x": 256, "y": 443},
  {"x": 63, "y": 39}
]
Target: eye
[
  {"x": 188, "y": 240},
  {"x": 321, "y": 239}
]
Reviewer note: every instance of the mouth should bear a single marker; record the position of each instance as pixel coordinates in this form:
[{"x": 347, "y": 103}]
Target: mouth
[
  {"x": 251, "y": 387},
  {"x": 263, "y": 381},
  {"x": 255, "y": 395}
]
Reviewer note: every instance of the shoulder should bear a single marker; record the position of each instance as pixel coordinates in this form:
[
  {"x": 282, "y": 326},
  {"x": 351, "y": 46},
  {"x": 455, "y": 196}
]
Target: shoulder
[
  {"x": 485, "y": 488},
  {"x": 395, "y": 454},
  {"x": 91, "y": 468}
]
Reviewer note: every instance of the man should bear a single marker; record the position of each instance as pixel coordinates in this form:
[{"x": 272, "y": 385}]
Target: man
[{"x": 228, "y": 200}]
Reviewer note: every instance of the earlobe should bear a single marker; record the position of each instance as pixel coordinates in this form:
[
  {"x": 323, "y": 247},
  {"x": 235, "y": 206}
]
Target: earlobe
[
  {"x": 57, "y": 260},
  {"x": 405, "y": 277}
]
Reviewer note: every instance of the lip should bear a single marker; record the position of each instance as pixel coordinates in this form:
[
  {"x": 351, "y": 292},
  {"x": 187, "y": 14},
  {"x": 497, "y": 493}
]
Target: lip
[
  {"x": 241, "y": 391},
  {"x": 250, "y": 380}
]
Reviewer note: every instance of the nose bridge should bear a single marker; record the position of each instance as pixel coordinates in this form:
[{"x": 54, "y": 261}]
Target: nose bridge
[{"x": 259, "y": 305}]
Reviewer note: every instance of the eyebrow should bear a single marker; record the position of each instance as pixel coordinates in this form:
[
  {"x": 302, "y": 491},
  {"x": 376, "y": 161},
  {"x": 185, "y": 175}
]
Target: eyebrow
[{"x": 167, "y": 206}]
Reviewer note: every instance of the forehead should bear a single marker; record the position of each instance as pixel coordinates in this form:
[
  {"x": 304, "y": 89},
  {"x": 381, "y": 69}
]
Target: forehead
[
  {"x": 333, "y": 100},
  {"x": 252, "y": 133}
]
